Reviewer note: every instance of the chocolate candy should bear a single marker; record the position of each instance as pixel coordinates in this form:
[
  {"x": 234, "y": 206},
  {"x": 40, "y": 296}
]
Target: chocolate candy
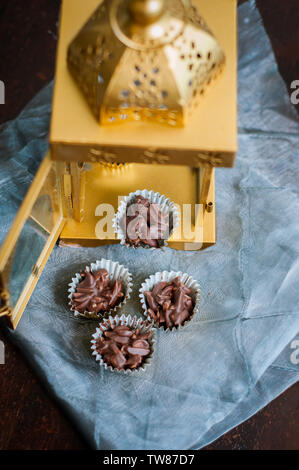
[
  {"x": 123, "y": 348},
  {"x": 96, "y": 293},
  {"x": 169, "y": 303},
  {"x": 146, "y": 224}
]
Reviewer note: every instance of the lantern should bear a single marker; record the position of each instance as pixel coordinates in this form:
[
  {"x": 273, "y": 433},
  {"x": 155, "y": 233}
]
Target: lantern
[{"x": 145, "y": 97}]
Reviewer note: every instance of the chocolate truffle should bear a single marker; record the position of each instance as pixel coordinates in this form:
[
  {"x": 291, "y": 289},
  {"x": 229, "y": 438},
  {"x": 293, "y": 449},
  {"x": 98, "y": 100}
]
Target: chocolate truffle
[
  {"x": 169, "y": 303},
  {"x": 123, "y": 347},
  {"x": 146, "y": 224},
  {"x": 96, "y": 293}
]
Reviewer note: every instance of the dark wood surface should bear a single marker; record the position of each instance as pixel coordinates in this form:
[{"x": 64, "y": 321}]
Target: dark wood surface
[{"x": 29, "y": 418}]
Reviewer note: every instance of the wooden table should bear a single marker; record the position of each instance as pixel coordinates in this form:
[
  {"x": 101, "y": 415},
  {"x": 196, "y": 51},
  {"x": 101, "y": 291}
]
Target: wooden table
[{"x": 29, "y": 417}]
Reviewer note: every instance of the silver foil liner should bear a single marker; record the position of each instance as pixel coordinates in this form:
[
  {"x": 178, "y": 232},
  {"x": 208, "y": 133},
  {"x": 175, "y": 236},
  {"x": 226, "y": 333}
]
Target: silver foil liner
[
  {"x": 116, "y": 272},
  {"x": 166, "y": 276},
  {"x": 166, "y": 206},
  {"x": 135, "y": 323}
]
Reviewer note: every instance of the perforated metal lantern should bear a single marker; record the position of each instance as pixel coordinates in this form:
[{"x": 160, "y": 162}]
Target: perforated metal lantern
[
  {"x": 144, "y": 60},
  {"x": 134, "y": 60}
]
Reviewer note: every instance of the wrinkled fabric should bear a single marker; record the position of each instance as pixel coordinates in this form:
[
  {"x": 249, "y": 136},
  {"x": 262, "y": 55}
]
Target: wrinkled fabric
[{"x": 236, "y": 356}]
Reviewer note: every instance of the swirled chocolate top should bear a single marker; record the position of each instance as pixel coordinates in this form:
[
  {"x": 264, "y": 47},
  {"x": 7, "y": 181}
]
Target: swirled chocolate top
[
  {"x": 169, "y": 303},
  {"x": 123, "y": 348},
  {"x": 96, "y": 293},
  {"x": 146, "y": 224}
]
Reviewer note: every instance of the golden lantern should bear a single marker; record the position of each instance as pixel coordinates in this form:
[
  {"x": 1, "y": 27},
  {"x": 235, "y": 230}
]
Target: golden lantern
[{"x": 135, "y": 106}]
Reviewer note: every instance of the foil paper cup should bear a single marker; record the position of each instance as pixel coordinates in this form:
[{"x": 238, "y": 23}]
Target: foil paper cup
[
  {"x": 116, "y": 272},
  {"x": 166, "y": 206},
  {"x": 135, "y": 323},
  {"x": 166, "y": 276}
]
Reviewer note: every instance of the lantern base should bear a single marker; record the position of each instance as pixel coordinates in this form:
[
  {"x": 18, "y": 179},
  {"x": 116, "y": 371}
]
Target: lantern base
[{"x": 101, "y": 188}]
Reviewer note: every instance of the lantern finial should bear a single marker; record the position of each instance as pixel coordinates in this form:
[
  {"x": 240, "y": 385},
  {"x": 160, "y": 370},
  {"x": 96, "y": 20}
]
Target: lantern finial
[{"x": 146, "y": 11}]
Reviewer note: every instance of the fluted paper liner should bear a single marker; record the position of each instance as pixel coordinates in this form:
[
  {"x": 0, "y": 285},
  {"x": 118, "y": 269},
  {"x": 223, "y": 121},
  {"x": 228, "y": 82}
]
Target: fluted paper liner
[
  {"x": 166, "y": 276},
  {"x": 130, "y": 321},
  {"x": 166, "y": 206},
  {"x": 117, "y": 272}
]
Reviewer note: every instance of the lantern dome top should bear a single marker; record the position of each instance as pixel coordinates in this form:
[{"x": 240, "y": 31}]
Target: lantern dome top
[{"x": 144, "y": 60}]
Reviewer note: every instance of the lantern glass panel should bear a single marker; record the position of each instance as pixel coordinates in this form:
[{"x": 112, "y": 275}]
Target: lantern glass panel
[{"x": 30, "y": 241}]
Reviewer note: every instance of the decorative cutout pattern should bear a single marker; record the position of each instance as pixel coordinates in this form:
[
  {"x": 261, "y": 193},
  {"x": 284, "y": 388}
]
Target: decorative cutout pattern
[{"x": 154, "y": 155}]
